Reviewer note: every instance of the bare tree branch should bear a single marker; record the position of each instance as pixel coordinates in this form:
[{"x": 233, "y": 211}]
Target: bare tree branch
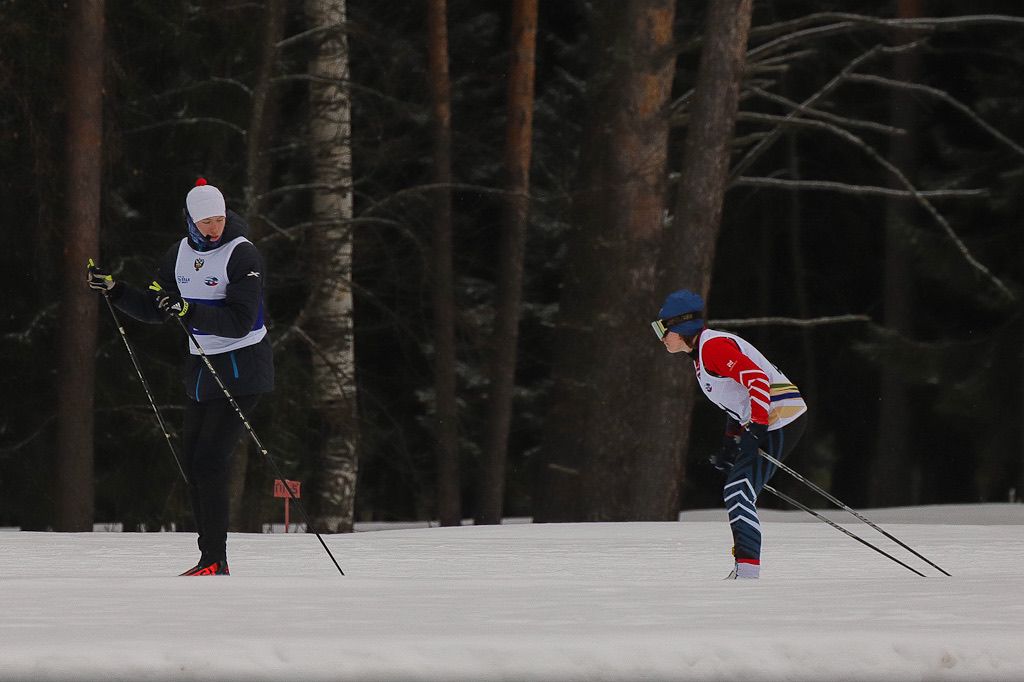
[
  {"x": 813, "y": 33},
  {"x": 804, "y": 28},
  {"x": 14, "y": 447},
  {"x": 857, "y": 190},
  {"x": 785, "y": 59},
  {"x": 918, "y": 197},
  {"x": 142, "y": 408},
  {"x": 788, "y": 321},
  {"x": 25, "y": 335},
  {"x": 279, "y": 232},
  {"x": 309, "y": 78},
  {"x": 345, "y": 384},
  {"x": 941, "y": 95},
  {"x": 753, "y": 154},
  {"x": 285, "y": 189},
  {"x": 744, "y": 141},
  {"x": 213, "y": 80},
  {"x": 789, "y": 122},
  {"x": 826, "y": 116},
  {"x": 291, "y": 233},
  {"x": 311, "y": 33},
  {"x": 195, "y": 120},
  {"x": 922, "y": 23},
  {"x": 420, "y": 191}
]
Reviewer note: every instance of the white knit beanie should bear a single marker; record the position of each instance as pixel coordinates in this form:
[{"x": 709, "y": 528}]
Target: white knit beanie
[{"x": 204, "y": 201}]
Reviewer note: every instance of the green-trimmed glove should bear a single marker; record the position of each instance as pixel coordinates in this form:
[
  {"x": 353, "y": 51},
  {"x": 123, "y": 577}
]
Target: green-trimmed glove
[
  {"x": 170, "y": 304},
  {"x": 99, "y": 279}
]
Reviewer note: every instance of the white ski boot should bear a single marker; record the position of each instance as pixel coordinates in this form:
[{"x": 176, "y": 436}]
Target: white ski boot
[{"x": 744, "y": 571}]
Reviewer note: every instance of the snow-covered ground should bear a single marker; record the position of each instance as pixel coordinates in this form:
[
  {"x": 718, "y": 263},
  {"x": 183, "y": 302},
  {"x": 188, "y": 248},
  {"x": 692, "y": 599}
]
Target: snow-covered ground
[{"x": 629, "y": 601}]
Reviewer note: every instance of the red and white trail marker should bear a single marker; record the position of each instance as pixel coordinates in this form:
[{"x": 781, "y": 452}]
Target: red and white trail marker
[{"x": 280, "y": 491}]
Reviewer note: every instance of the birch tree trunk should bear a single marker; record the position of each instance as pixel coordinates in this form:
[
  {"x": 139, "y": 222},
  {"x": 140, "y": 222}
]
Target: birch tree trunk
[
  {"x": 597, "y": 435},
  {"x": 77, "y": 349},
  {"x": 327, "y": 316},
  {"x": 518, "y": 147},
  {"x": 449, "y": 499}
]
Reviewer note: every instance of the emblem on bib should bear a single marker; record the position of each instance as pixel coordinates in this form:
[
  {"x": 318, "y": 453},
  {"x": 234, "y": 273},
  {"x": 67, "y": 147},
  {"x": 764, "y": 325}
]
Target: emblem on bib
[
  {"x": 211, "y": 281},
  {"x": 199, "y": 263}
]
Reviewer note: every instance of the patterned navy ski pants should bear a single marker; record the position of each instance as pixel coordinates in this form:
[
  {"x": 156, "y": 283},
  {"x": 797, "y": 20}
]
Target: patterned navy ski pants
[{"x": 744, "y": 483}]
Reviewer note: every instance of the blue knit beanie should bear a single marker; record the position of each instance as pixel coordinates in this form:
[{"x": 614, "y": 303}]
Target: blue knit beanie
[{"x": 678, "y": 303}]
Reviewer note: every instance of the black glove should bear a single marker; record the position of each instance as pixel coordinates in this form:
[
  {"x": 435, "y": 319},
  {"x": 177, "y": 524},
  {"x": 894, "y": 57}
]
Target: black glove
[
  {"x": 99, "y": 279},
  {"x": 752, "y": 438},
  {"x": 169, "y": 303},
  {"x": 727, "y": 454}
]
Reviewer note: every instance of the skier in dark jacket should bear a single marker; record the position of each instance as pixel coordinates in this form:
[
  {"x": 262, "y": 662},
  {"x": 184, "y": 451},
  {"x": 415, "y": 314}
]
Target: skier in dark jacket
[{"x": 211, "y": 280}]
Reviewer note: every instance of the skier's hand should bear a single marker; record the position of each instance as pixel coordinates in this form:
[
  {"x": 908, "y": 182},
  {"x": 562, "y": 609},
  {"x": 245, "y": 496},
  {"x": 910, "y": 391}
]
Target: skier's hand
[
  {"x": 752, "y": 437},
  {"x": 727, "y": 454},
  {"x": 99, "y": 279},
  {"x": 169, "y": 303}
]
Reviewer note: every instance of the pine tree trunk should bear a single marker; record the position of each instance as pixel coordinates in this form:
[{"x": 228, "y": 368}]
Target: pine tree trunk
[
  {"x": 688, "y": 253},
  {"x": 597, "y": 439},
  {"x": 807, "y": 382},
  {"x": 77, "y": 349},
  {"x": 518, "y": 147},
  {"x": 891, "y": 478},
  {"x": 262, "y": 117},
  {"x": 262, "y": 120},
  {"x": 327, "y": 317},
  {"x": 449, "y": 499}
]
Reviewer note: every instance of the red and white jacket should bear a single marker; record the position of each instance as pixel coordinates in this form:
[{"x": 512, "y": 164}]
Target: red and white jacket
[{"x": 736, "y": 377}]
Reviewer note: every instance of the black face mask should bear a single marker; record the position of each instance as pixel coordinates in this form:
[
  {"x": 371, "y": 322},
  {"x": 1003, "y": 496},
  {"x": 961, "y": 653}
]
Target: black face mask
[{"x": 201, "y": 241}]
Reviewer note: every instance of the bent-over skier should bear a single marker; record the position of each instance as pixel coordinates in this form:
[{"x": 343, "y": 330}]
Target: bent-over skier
[
  {"x": 764, "y": 410},
  {"x": 211, "y": 280}
]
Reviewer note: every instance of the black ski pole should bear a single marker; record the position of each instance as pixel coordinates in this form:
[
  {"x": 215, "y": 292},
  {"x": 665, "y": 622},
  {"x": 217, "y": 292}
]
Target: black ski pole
[
  {"x": 255, "y": 438},
  {"x": 145, "y": 384},
  {"x": 828, "y": 496},
  {"x": 787, "y": 498}
]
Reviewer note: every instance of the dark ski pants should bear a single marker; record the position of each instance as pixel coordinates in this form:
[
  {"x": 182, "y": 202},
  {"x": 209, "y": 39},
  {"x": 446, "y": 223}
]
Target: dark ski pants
[
  {"x": 744, "y": 483},
  {"x": 211, "y": 431}
]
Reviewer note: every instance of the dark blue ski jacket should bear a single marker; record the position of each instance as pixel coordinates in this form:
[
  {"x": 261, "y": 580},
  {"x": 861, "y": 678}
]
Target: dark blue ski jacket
[{"x": 245, "y": 371}]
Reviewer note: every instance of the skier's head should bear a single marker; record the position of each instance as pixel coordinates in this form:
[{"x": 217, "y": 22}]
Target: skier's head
[
  {"x": 682, "y": 313},
  {"x": 205, "y": 213}
]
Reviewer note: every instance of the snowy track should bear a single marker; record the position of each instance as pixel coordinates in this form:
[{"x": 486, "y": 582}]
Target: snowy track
[{"x": 637, "y": 601}]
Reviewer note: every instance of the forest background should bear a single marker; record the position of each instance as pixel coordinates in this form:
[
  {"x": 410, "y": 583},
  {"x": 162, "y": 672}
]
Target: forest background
[{"x": 472, "y": 210}]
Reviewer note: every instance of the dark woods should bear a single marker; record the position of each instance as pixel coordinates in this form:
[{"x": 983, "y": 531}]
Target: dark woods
[{"x": 472, "y": 210}]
